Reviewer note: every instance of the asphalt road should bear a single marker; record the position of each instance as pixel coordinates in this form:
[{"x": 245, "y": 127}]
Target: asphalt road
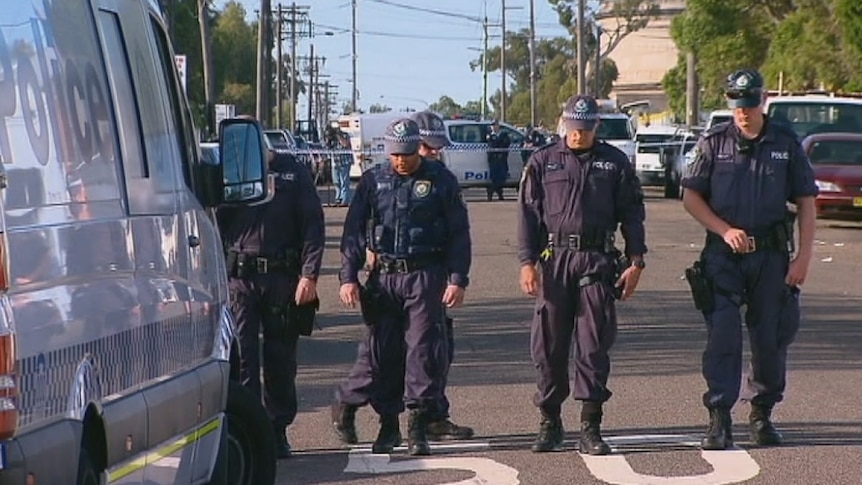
[{"x": 656, "y": 377}]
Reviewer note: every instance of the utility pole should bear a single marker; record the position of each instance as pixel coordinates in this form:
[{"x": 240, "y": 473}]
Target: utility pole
[
  {"x": 279, "y": 68},
  {"x": 692, "y": 109},
  {"x": 582, "y": 58},
  {"x": 503, "y": 67},
  {"x": 598, "y": 73},
  {"x": 312, "y": 69},
  {"x": 485, "y": 68},
  {"x": 355, "y": 89},
  {"x": 533, "y": 63},
  {"x": 207, "y": 60},
  {"x": 262, "y": 61},
  {"x": 295, "y": 18}
]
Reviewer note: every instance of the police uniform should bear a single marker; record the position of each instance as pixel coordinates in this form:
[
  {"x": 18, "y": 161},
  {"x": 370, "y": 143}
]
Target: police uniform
[
  {"x": 570, "y": 205},
  {"x": 498, "y": 162},
  {"x": 418, "y": 228},
  {"x": 747, "y": 184},
  {"x": 355, "y": 391},
  {"x": 268, "y": 248}
]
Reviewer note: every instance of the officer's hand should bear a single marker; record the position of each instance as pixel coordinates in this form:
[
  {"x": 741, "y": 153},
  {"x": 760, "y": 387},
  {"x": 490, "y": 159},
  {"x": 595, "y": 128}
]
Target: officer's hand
[
  {"x": 529, "y": 279},
  {"x": 306, "y": 291},
  {"x": 737, "y": 239},
  {"x": 453, "y": 296},
  {"x": 797, "y": 271},
  {"x": 629, "y": 281},
  {"x": 370, "y": 259},
  {"x": 349, "y": 294}
]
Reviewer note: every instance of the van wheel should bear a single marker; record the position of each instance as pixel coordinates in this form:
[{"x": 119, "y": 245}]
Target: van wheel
[
  {"x": 249, "y": 442},
  {"x": 87, "y": 474}
]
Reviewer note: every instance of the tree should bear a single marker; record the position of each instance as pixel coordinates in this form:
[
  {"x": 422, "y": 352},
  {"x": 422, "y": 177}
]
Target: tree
[
  {"x": 235, "y": 46},
  {"x": 446, "y": 106},
  {"x": 850, "y": 14},
  {"x": 379, "y": 108},
  {"x": 630, "y": 16}
]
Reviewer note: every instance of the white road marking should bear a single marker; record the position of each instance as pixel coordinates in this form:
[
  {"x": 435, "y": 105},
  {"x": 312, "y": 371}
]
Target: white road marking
[
  {"x": 487, "y": 471},
  {"x": 728, "y": 466},
  {"x": 167, "y": 462}
]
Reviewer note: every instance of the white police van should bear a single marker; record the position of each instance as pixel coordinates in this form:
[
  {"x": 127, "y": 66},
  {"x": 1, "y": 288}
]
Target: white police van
[{"x": 118, "y": 359}]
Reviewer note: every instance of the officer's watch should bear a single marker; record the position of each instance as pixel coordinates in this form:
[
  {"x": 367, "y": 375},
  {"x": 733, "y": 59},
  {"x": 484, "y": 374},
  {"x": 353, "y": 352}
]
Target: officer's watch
[{"x": 640, "y": 264}]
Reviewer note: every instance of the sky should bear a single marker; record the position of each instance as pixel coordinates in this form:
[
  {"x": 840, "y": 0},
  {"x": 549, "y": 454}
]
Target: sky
[{"x": 391, "y": 39}]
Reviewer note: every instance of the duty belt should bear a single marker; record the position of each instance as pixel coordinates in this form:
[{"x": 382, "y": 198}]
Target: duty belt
[
  {"x": 770, "y": 242},
  {"x": 406, "y": 265},
  {"x": 243, "y": 265},
  {"x": 582, "y": 242}
]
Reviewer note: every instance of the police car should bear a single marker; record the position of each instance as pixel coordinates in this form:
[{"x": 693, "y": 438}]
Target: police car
[{"x": 467, "y": 157}]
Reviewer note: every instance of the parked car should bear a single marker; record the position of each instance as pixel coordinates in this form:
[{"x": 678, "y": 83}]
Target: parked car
[{"x": 837, "y": 162}]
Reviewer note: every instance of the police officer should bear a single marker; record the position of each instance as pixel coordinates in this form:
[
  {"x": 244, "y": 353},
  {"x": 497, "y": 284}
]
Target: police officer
[
  {"x": 354, "y": 392},
  {"x": 411, "y": 215},
  {"x": 274, "y": 252},
  {"x": 737, "y": 186},
  {"x": 573, "y": 196},
  {"x": 498, "y": 160}
]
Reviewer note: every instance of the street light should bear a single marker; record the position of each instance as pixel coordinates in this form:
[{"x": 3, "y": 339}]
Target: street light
[{"x": 427, "y": 105}]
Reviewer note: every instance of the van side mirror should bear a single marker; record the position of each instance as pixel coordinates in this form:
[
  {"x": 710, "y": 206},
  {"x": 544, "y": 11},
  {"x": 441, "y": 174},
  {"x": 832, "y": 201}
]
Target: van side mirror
[{"x": 243, "y": 156}]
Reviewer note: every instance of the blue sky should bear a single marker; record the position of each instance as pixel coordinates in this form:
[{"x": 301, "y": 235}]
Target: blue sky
[{"x": 391, "y": 39}]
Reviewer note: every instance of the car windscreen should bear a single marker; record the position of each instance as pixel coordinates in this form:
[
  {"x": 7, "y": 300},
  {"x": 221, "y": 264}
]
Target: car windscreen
[
  {"x": 615, "y": 129},
  {"x": 821, "y": 117},
  {"x": 654, "y": 143},
  {"x": 277, "y": 140},
  {"x": 468, "y": 133},
  {"x": 836, "y": 152}
]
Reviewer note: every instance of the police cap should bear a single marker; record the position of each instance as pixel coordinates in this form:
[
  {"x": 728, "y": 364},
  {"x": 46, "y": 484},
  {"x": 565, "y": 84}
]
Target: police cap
[{"x": 744, "y": 89}]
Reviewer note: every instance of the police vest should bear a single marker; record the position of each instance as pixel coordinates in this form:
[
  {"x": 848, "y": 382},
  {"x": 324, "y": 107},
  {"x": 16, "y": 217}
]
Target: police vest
[{"x": 408, "y": 216}]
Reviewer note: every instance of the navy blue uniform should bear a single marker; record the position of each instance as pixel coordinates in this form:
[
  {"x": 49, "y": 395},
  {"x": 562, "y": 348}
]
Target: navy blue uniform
[
  {"x": 749, "y": 191},
  {"x": 574, "y": 197},
  {"x": 498, "y": 162},
  {"x": 270, "y": 246},
  {"x": 417, "y": 223}
]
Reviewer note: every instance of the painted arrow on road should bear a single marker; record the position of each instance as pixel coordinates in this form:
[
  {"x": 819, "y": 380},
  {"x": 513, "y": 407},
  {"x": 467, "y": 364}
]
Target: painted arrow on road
[{"x": 486, "y": 471}]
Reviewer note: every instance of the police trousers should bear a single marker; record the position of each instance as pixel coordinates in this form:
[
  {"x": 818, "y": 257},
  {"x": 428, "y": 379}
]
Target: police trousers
[
  {"x": 771, "y": 316},
  {"x": 256, "y": 303},
  {"x": 408, "y": 342},
  {"x": 565, "y": 310}
]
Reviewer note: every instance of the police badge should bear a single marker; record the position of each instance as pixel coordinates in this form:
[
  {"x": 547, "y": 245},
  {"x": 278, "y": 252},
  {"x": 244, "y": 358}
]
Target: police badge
[{"x": 422, "y": 188}]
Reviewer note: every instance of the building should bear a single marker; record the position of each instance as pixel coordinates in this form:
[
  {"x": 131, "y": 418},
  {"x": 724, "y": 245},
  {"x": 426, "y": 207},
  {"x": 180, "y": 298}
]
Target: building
[{"x": 644, "y": 57}]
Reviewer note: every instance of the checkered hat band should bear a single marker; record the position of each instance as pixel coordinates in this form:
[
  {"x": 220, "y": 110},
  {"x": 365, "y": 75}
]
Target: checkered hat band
[
  {"x": 432, "y": 133},
  {"x": 402, "y": 139},
  {"x": 581, "y": 116}
]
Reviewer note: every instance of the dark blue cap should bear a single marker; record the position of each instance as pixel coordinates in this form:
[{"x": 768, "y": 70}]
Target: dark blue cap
[
  {"x": 744, "y": 89},
  {"x": 581, "y": 113},
  {"x": 402, "y": 137},
  {"x": 431, "y": 129}
]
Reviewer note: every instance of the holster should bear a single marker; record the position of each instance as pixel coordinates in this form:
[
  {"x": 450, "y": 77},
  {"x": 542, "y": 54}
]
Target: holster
[
  {"x": 620, "y": 263},
  {"x": 370, "y": 301},
  {"x": 301, "y": 318},
  {"x": 701, "y": 288}
]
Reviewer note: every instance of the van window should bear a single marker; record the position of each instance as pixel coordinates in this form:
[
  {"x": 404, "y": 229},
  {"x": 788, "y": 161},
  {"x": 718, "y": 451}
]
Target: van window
[
  {"x": 468, "y": 133},
  {"x": 615, "y": 129},
  {"x": 807, "y": 118},
  {"x": 56, "y": 120}
]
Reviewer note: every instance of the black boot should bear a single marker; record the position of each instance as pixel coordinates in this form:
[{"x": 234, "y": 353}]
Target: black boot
[
  {"x": 417, "y": 438},
  {"x": 719, "y": 435},
  {"x": 551, "y": 432},
  {"x": 389, "y": 435},
  {"x": 763, "y": 432},
  {"x": 591, "y": 442},
  {"x": 444, "y": 429},
  {"x": 282, "y": 447},
  {"x": 344, "y": 422}
]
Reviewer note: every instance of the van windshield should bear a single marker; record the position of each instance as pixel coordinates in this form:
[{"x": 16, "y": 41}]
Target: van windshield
[
  {"x": 810, "y": 118},
  {"x": 615, "y": 129}
]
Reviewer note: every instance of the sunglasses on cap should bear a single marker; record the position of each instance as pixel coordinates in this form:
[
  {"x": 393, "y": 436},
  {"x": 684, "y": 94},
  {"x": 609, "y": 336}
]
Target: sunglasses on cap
[{"x": 743, "y": 93}]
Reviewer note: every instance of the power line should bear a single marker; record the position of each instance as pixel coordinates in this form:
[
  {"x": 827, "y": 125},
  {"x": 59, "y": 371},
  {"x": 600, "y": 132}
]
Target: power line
[
  {"x": 429, "y": 10},
  {"x": 399, "y": 35}
]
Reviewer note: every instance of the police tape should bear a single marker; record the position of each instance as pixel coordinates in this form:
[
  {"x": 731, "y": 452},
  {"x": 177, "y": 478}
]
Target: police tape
[{"x": 382, "y": 152}]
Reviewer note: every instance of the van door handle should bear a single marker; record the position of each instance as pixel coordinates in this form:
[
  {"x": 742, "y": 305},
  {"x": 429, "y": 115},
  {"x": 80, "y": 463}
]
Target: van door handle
[{"x": 194, "y": 241}]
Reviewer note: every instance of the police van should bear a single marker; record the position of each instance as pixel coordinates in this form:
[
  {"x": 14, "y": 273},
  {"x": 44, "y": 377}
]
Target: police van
[
  {"x": 466, "y": 157},
  {"x": 118, "y": 359}
]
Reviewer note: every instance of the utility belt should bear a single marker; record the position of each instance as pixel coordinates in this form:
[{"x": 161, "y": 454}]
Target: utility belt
[
  {"x": 246, "y": 265},
  {"x": 388, "y": 265},
  {"x": 601, "y": 242},
  {"x": 777, "y": 240}
]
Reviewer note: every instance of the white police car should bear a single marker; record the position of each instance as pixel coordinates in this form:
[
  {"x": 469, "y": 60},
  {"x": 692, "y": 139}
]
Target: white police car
[{"x": 467, "y": 157}]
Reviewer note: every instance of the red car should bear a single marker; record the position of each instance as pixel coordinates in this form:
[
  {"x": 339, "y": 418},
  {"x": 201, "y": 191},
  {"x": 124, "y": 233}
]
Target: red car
[{"x": 837, "y": 162}]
